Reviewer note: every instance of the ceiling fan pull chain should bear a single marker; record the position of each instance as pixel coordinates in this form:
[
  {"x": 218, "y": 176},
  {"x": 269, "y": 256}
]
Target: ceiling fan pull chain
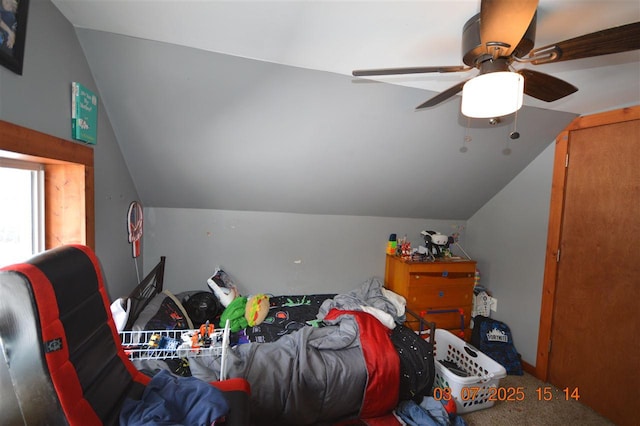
[
  {"x": 467, "y": 137},
  {"x": 515, "y": 134}
]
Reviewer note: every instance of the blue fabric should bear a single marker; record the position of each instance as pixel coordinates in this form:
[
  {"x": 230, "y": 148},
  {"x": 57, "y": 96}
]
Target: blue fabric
[
  {"x": 170, "y": 400},
  {"x": 429, "y": 413}
]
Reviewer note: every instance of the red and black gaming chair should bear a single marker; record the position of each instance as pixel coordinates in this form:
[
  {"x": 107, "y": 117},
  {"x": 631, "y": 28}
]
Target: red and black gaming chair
[{"x": 62, "y": 359}]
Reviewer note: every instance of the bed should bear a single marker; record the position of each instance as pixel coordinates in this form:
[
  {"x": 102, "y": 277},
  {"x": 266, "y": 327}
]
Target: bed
[{"x": 316, "y": 359}]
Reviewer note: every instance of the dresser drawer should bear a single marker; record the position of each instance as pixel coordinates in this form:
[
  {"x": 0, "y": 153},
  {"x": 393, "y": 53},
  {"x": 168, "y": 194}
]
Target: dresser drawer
[
  {"x": 438, "y": 293},
  {"x": 418, "y": 278}
]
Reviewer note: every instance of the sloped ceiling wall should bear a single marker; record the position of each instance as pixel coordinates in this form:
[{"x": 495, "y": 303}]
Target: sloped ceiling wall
[{"x": 205, "y": 129}]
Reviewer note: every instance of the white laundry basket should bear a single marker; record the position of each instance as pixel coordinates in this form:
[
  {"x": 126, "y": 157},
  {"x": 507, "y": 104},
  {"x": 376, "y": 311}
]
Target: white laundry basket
[{"x": 477, "y": 391}]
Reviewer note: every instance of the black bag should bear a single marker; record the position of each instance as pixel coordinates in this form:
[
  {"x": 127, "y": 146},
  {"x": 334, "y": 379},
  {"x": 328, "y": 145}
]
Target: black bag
[
  {"x": 203, "y": 306},
  {"x": 494, "y": 339},
  {"x": 417, "y": 369}
]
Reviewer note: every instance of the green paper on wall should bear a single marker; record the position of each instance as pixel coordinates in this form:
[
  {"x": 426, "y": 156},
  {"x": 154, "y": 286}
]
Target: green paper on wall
[{"x": 84, "y": 114}]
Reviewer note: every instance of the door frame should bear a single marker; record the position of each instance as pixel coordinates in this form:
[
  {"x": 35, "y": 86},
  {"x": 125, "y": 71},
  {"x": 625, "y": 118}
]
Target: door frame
[{"x": 554, "y": 231}]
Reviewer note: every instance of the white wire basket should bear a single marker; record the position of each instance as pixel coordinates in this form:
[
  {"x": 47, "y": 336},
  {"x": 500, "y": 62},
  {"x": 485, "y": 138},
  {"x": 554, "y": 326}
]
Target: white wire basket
[{"x": 170, "y": 344}]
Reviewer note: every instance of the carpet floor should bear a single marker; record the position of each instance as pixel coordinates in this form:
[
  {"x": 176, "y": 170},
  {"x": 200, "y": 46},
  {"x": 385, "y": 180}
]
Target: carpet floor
[{"x": 530, "y": 411}]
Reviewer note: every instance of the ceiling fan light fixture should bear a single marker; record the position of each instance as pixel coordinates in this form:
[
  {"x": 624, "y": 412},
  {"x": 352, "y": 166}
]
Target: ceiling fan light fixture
[{"x": 492, "y": 95}]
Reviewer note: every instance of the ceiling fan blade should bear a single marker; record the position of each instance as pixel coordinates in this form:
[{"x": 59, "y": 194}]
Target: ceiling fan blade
[
  {"x": 545, "y": 87},
  {"x": 503, "y": 23},
  {"x": 409, "y": 70},
  {"x": 612, "y": 40},
  {"x": 442, "y": 96}
]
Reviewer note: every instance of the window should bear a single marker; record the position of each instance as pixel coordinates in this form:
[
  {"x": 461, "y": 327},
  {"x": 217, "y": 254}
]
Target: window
[
  {"x": 67, "y": 185},
  {"x": 22, "y": 218}
]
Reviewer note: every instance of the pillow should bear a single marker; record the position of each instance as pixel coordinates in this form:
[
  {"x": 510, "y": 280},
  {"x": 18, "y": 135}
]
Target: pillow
[
  {"x": 120, "y": 309},
  {"x": 163, "y": 312}
]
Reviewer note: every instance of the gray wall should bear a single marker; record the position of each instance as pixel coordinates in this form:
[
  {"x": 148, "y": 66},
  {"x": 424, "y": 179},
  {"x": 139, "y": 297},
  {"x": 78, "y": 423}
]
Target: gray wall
[
  {"x": 508, "y": 237},
  {"x": 40, "y": 99},
  {"x": 292, "y": 253},
  {"x": 278, "y": 253}
]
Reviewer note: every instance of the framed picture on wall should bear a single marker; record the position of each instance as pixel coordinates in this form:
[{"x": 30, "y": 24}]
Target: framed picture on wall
[{"x": 13, "y": 30}]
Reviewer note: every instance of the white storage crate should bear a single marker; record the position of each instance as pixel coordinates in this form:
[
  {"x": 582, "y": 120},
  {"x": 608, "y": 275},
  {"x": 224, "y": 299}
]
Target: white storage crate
[
  {"x": 478, "y": 390},
  {"x": 169, "y": 344}
]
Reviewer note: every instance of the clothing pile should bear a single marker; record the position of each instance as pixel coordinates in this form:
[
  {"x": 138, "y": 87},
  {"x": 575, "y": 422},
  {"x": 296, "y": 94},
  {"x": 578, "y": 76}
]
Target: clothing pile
[
  {"x": 170, "y": 400},
  {"x": 428, "y": 413}
]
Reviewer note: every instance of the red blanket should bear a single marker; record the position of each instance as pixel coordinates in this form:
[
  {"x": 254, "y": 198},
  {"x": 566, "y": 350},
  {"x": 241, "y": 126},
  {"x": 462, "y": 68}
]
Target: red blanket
[{"x": 383, "y": 364}]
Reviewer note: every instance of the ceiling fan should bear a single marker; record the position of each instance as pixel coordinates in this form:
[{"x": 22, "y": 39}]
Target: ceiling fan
[{"x": 503, "y": 33}]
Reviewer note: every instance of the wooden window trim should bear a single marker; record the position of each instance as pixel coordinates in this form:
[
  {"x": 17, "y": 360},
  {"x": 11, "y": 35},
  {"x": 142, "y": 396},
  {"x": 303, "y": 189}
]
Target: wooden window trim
[{"x": 69, "y": 182}]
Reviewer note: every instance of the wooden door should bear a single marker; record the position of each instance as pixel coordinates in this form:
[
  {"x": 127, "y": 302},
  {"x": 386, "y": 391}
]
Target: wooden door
[{"x": 594, "y": 338}]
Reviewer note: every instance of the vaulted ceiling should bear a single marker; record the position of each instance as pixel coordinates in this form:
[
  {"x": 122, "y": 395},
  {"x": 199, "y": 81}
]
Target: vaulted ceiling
[{"x": 250, "y": 105}]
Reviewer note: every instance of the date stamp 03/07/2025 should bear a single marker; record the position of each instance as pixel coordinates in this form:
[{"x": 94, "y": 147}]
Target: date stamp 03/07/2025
[{"x": 543, "y": 393}]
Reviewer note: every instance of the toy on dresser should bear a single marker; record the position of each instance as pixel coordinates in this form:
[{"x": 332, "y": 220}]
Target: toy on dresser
[{"x": 437, "y": 244}]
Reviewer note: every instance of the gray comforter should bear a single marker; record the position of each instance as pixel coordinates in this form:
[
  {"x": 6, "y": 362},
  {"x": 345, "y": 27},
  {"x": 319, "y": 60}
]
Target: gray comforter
[
  {"x": 348, "y": 369},
  {"x": 369, "y": 294}
]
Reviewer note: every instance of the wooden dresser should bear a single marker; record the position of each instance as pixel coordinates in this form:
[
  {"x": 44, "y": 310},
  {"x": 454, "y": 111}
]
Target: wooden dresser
[{"x": 434, "y": 286}]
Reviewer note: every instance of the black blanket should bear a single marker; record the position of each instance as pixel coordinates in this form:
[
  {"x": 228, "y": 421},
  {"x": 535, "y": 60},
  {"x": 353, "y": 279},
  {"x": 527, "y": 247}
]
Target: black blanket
[{"x": 286, "y": 315}]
